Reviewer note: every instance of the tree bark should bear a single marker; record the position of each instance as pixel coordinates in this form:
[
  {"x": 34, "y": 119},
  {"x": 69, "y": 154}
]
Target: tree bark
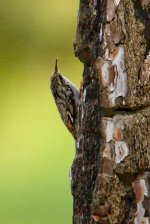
[{"x": 109, "y": 116}]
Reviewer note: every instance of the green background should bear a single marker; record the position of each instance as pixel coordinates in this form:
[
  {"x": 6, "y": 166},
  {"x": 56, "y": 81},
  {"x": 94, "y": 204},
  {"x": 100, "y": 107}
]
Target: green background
[{"x": 36, "y": 150}]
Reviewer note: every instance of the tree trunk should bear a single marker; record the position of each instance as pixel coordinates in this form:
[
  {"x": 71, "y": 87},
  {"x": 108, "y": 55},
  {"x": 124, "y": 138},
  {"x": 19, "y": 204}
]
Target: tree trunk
[{"x": 110, "y": 116}]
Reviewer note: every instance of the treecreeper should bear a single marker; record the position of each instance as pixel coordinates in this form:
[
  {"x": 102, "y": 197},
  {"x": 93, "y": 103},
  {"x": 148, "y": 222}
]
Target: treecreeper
[{"x": 109, "y": 116}]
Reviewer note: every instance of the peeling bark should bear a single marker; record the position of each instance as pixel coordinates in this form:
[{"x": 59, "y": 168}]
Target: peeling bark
[{"x": 109, "y": 116}]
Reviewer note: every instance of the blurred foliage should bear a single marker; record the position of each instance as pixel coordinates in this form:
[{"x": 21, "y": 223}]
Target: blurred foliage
[{"x": 36, "y": 150}]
